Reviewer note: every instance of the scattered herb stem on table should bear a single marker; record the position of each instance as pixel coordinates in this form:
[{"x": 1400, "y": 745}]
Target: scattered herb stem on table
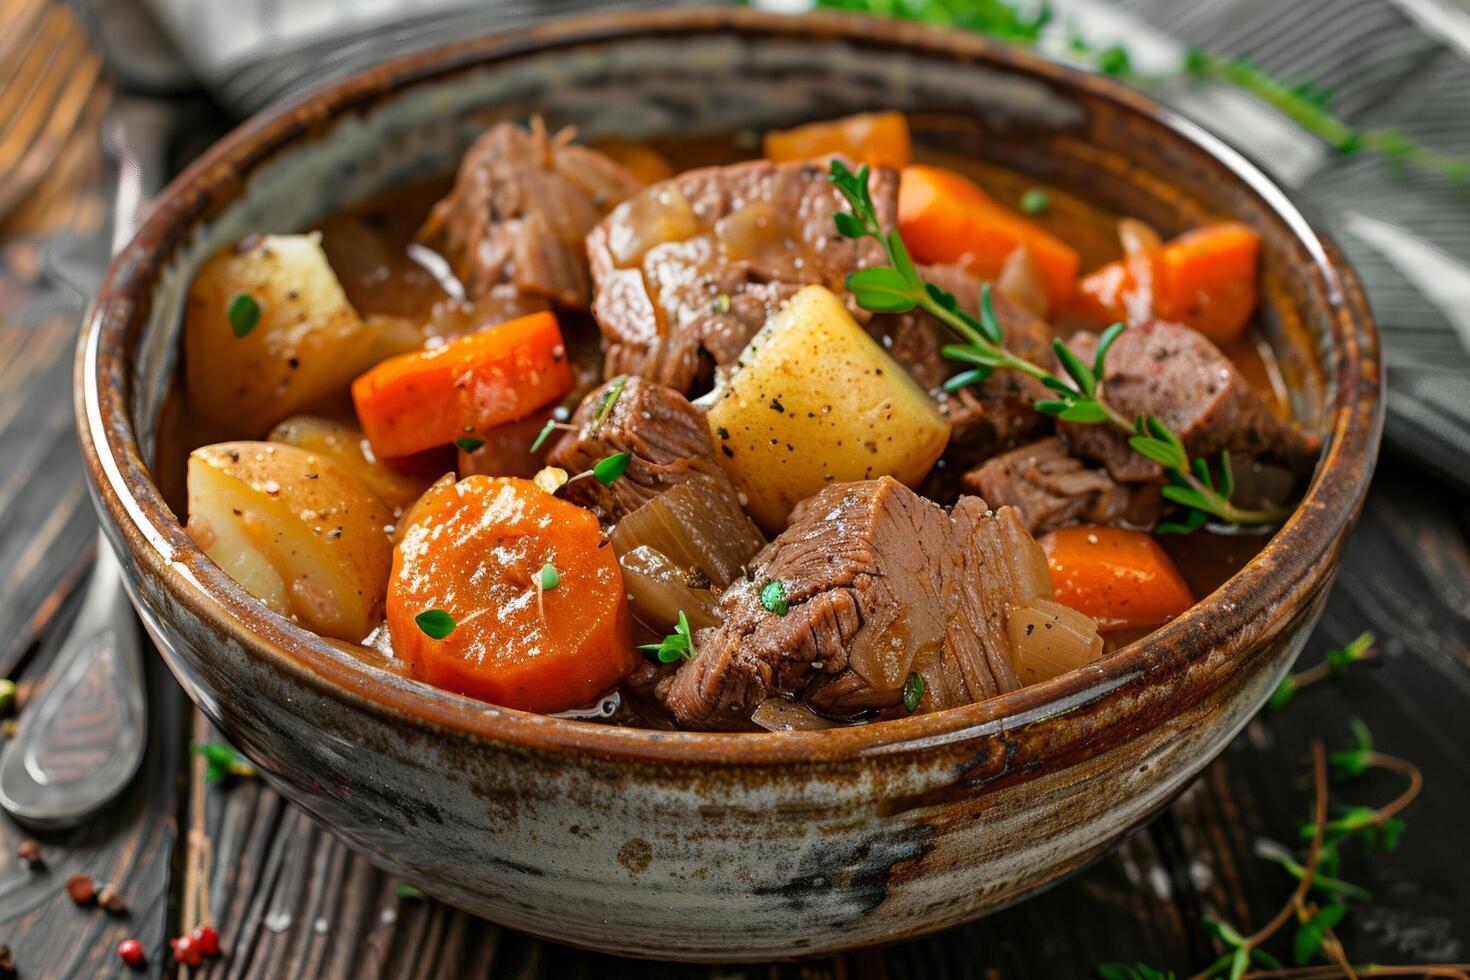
[
  {"x": 1204, "y": 490},
  {"x": 1306, "y": 103}
]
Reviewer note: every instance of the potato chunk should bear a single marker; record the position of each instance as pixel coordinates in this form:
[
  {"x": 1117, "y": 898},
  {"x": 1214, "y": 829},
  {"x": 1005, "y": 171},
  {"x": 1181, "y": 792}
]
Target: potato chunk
[
  {"x": 294, "y": 340},
  {"x": 815, "y": 400},
  {"x": 396, "y": 485},
  {"x": 296, "y": 530}
]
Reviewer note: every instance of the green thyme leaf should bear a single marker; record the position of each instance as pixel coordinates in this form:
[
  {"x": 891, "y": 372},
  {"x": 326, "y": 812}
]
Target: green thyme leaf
[
  {"x": 966, "y": 378},
  {"x": 1311, "y": 934},
  {"x": 1035, "y": 200},
  {"x": 222, "y": 761},
  {"x": 773, "y": 597},
  {"x": 913, "y": 691},
  {"x": 1115, "y": 61},
  {"x": 1073, "y": 365},
  {"x": 989, "y": 323},
  {"x": 1192, "y": 521},
  {"x": 609, "y": 399},
  {"x": 849, "y": 225},
  {"x": 609, "y": 468},
  {"x": 1104, "y": 343},
  {"x": 435, "y": 623},
  {"x": 1086, "y": 412},
  {"x": 678, "y": 645},
  {"x": 882, "y": 289},
  {"x": 543, "y": 435},
  {"x": 1284, "y": 692},
  {"x": 548, "y": 578},
  {"x": 244, "y": 314},
  {"x": 469, "y": 445},
  {"x": 406, "y": 891}
]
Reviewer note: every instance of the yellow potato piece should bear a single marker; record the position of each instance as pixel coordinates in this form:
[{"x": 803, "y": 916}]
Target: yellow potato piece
[
  {"x": 346, "y": 446},
  {"x": 304, "y": 347},
  {"x": 815, "y": 400},
  {"x": 296, "y": 530}
]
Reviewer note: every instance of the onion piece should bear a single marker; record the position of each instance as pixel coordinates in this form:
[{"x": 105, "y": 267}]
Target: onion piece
[
  {"x": 658, "y": 590},
  {"x": 780, "y": 715},
  {"x": 697, "y": 524},
  {"x": 1021, "y": 279},
  {"x": 750, "y": 232},
  {"x": 656, "y": 215},
  {"x": 1048, "y": 639}
]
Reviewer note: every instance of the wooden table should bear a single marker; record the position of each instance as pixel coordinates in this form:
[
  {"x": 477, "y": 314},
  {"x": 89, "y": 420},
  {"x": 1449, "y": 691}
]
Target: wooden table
[{"x": 291, "y": 901}]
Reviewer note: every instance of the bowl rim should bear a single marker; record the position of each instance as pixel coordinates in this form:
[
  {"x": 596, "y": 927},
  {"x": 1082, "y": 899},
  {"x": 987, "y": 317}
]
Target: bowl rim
[{"x": 135, "y": 515}]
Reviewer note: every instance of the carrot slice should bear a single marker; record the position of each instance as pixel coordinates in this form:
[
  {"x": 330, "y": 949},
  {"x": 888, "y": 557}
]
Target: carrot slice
[
  {"x": 880, "y": 139},
  {"x": 1122, "y": 579},
  {"x": 414, "y": 402},
  {"x": 944, "y": 217},
  {"x": 1204, "y": 279},
  {"x": 474, "y": 550}
]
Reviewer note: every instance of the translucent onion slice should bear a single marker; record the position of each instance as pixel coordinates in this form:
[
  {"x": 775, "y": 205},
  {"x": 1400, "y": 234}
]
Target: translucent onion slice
[
  {"x": 1048, "y": 639},
  {"x": 780, "y": 715},
  {"x": 657, "y": 215},
  {"x": 698, "y": 525},
  {"x": 1021, "y": 279},
  {"x": 658, "y": 590}
]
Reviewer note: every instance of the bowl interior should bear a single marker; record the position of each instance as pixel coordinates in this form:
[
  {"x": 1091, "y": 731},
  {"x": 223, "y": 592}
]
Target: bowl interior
[{"x": 693, "y": 74}]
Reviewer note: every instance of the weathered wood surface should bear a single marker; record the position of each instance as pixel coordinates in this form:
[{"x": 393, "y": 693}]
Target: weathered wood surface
[{"x": 291, "y": 901}]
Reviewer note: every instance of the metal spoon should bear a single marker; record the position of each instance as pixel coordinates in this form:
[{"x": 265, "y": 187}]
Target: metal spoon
[{"x": 80, "y": 744}]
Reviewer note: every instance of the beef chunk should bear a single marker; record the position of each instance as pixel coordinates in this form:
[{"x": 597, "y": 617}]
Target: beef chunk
[
  {"x": 1175, "y": 373},
  {"x": 520, "y": 210},
  {"x": 996, "y": 414},
  {"x": 688, "y": 271},
  {"x": 880, "y": 582},
  {"x": 1051, "y": 488},
  {"x": 666, "y": 436}
]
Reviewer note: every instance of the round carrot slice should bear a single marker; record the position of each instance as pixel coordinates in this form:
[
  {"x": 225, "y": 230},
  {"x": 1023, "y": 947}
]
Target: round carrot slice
[{"x": 505, "y": 593}]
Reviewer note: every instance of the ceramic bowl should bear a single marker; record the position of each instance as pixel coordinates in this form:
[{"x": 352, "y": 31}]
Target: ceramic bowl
[{"x": 708, "y": 846}]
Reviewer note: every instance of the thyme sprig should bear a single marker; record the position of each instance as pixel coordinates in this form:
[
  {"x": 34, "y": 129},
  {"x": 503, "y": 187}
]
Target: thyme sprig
[
  {"x": 897, "y": 287},
  {"x": 1320, "y": 898},
  {"x": 678, "y": 645},
  {"x": 1306, "y": 103},
  {"x": 1333, "y": 665}
]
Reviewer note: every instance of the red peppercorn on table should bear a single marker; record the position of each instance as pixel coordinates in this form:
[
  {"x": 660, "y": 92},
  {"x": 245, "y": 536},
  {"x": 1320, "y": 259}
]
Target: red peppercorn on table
[{"x": 250, "y": 889}]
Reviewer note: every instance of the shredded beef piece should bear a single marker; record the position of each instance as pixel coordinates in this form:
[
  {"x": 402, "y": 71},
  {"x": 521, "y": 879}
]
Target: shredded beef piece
[
  {"x": 1051, "y": 488},
  {"x": 666, "y": 436},
  {"x": 880, "y": 582},
  {"x": 1175, "y": 373},
  {"x": 520, "y": 210}
]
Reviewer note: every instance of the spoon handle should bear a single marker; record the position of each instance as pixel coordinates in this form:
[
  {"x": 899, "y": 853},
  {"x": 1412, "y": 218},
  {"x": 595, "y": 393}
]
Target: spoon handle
[{"x": 80, "y": 743}]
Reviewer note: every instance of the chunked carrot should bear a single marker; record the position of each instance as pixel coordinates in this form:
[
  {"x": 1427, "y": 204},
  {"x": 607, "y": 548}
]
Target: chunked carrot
[
  {"x": 1120, "y": 578},
  {"x": 474, "y": 557},
  {"x": 944, "y": 217},
  {"x": 418, "y": 401},
  {"x": 1205, "y": 279},
  {"x": 880, "y": 139}
]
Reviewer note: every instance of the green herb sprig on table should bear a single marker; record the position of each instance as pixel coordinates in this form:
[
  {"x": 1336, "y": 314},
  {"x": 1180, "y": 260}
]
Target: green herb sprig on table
[
  {"x": 1321, "y": 898},
  {"x": 1305, "y": 103},
  {"x": 898, "y": 288}
]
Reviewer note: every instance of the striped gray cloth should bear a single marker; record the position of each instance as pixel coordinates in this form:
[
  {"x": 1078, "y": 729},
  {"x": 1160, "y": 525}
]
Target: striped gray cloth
[{"x": 1400, "y": 64}]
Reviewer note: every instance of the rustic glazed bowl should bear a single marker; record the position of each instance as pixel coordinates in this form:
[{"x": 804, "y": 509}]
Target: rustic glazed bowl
[{"x": 707, "y": 846}]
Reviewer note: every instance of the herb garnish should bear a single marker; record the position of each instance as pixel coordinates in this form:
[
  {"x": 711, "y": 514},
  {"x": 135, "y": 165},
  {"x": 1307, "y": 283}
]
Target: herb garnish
[
  {"x": 678, "y": 645},
  {"x": 1336, "y": 662},
  {"x": 436, "y": 623},
  {"x": 609, "y": 399},
  {"x": 468, "y": 444},
  {"x": 1305, "y": 103},
  {"x": 609, "y": 468},
  {"x": 244, "y": 314},
  {"x": 543, "y": 435},
  {"x": 898, "y": 288},
  {"x": 913, "y": 691},
  {"x": 222, "y": 762},
  {"x": 1035, "y": 200},
  {"x": 406, "y": 891},
  {"x": 773, "y": 597},
  {"x": 548, "y": 578}
]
